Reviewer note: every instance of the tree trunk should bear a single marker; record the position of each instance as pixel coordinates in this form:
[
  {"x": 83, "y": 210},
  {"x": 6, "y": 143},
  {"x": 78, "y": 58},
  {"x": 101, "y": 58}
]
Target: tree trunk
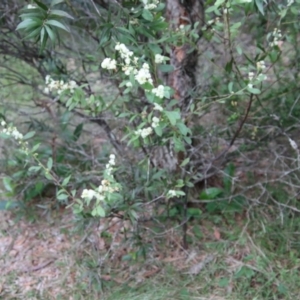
[{"x": 184, "y": 57}]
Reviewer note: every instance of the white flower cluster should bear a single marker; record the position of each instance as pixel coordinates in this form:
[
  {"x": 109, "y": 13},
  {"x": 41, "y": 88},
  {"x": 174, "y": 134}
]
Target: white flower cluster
[
  {"x": 12, "y": 131},
  {"x": 157, "y": 107},
  {"x": 172, "y": 193},
  {"x": 130, "y": 65},
  {"x": 125, "y": 53},
  {"x": 143, "y": 75},
  {"x": 277, "y": 38},
  {"x": 144, "y": 132},
  {"x": 109, "y": 64},
  {"x": 260, "y": 65},
  {"x": 155, "y": 122},
  {"x": 111, "y": 164},
  {"x": 58, "y": 85},
  {"x": 30, "y": 6},
  {"x": 251, "y": 76},
  {"x": 150, "y": 6},
  {"x": 105, "y": 186},
  {"x": 159, "y": 91},
  {"x": 160, "y": 58}
]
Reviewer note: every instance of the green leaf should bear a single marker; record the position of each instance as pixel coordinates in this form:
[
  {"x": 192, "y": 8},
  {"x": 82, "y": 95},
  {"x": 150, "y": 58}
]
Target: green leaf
[
  {"x": 166, "y": 68},
  {"x": 31, "y": 15},
  {"x": 219, "y": 3},
  {"x": 7, "y": 184},
  {"x": 42, "y": 35},
  {"x": 228, "y": 67},
  {"x": 98, "y": 211},
  {"x": 26, "y": 23},
  {"x": 178, "y": 144},
  {"x": 155, "y": 48},
  {"x": 62, "y": 197},
  {"x": 41, "y": 5},
  {"x": 55, "y": 2},
  {"x": 173, "y": 116},
  {"x": 210, "y": 193},
  {"x": 50, "y": 163},
  {"x": 77, "y": 132},
  {"x": 57, "y": 24},
  {"x": 35, "y": 33},
  {"x": 147, "y": 15},
  {"x": 253, "y": 90},
  {"x": 34, "y": 169},
  {"x": 66, "y": 181},
  {"x": 194, "y": 212},
  {"x": 158, "y": 130},
  {"x": 48, "y": 176},
  {"x": 184, "y": 130},
  {"x": 29, "y": 135},
  {"x": 185, "y": 162},
  {"x": 50, "y": 33},
  {"x": 60, "y": 13},
  {"x": 260, "y": 6}
]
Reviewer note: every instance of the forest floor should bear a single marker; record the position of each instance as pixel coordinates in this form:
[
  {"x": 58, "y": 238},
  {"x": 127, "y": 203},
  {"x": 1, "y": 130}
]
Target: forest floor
[{"x": 47, "y": 255}]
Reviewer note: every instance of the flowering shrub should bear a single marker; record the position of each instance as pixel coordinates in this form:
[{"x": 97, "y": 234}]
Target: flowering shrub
[{"x": 158, "y": 95}]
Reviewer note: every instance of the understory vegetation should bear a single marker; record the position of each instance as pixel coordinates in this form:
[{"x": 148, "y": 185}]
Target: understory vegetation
[{"x": 149, "y": 149}]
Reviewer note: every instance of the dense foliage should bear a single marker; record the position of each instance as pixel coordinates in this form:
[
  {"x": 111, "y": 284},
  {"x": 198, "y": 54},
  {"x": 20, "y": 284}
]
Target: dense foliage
[{"x": 127, "y": 110}]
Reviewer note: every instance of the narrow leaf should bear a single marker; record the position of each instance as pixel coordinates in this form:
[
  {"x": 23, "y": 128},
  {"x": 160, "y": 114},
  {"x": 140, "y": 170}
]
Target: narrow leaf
[
  {"x": 62, "y": 197},
  {"x": 50, "y": 163},
  {"x": 41, "y": 5},
  {"x": 57, "y": 24},
  {"x": 29, "y": 135},
  {"x": 55, "y": 2},
  {"x": 7, "y": 184},
  {"x": 25, "y": 24},
  {"x": 50, "y": 33},
  {"x": 66, "y": 181},
  {"x": 60, "y": 13}
]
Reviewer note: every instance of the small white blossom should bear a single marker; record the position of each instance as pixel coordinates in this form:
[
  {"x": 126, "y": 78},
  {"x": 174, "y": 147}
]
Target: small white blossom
[
  {"x": 109, "y": 64},
  {"x": 129, "y": 84},
  {"x": 172, "y": 193},
  {"x": 150, "y": 6},
  {"x": 159, "y": 91},
  {"x": 260, "y": 65},
  {"x": 30, "y": 6},
  {"x": 144, "y": 132},
  {"x": 58, "y": 86},
  {"x": 143, "y": 75},
  {"x": 155, "y": 122},
  {"x": 251, "y": 76},
  {"x": 160, "y": 58},
  {"x": 88, "y": 194},
  {"x": 3, "y": 123},
  {"x": 157, "y": 107}
]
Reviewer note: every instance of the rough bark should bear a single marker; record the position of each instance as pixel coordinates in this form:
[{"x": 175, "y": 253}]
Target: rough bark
[{"x": 183, "y": 57}]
